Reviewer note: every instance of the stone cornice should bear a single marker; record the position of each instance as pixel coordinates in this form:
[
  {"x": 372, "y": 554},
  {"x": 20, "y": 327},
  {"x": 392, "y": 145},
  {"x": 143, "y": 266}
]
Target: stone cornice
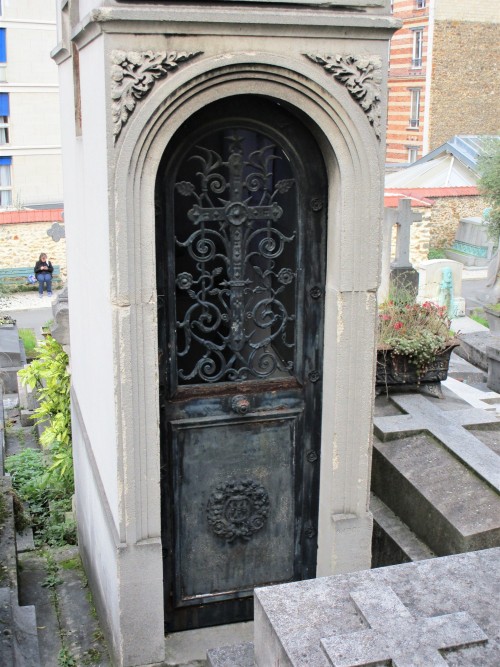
[
  {"x": 363, "y": 79},
  {"x": 262, "y": 20}
]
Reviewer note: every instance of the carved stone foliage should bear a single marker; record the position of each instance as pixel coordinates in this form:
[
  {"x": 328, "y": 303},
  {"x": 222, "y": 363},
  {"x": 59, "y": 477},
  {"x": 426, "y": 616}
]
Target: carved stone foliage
[
  {"x": 237, "y": 509},
  {"x": 362, "y": 77},
  {"x": 133, "y": 74}
]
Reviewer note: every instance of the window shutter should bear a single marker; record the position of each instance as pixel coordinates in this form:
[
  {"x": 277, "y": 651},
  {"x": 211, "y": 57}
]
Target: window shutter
[{"x": 4, "y": 104}]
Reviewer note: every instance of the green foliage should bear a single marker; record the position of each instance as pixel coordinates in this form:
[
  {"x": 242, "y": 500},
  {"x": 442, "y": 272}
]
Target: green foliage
[
  {"x": 417, "y": 331},
  {"x": 66, "y": 658},
  {"x": 47, "y": 496},
  {"x": 48, "y": 373},
  {"x": 29, "y": 340},
  {"x": 489, "y": 185},
  {"x": 478, "y": 316},
  {"x": 436, "y": 253}
]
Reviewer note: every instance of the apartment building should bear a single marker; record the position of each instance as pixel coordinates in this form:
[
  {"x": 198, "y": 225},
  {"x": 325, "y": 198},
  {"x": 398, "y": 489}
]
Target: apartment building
[
  {"x": 30, "y": 144},
  {"x": 444, "y": 76}
]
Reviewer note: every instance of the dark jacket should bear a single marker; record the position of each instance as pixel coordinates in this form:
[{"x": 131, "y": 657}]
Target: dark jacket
[{"x": 39, "y": 267}]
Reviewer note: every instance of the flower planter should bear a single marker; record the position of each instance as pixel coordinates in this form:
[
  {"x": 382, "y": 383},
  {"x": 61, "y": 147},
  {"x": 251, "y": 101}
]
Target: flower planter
[{"x": 395, "y": 371}]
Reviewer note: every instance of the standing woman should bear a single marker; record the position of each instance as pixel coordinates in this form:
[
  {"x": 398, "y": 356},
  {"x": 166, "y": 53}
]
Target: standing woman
[{"x": 43, "y": 272}]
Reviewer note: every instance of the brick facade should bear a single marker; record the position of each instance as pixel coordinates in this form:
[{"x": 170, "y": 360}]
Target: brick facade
[
  {"x": 459, "y": 66},
  {"x": 407, "y": 78}
]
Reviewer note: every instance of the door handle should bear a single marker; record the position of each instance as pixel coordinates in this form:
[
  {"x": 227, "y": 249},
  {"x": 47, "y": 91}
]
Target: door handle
[{"x": 240, "y": 405}]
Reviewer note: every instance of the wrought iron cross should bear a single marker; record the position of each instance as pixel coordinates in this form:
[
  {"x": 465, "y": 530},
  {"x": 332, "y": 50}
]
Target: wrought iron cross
[{"x": 237, "y": 213}]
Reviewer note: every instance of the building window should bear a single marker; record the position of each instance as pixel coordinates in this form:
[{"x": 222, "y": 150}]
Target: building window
[
  {"x": 3, "y": 55},
  {"x": 4, "y": 118},
  {"x": 420, "y": 4},
  {"x": 3, "y": 46},
  {"x": 412, "y": 154},
  {"x": 414, "y": 107},
  {"x": 5, "y": 181},
  {"x": 418, "y": 38}
]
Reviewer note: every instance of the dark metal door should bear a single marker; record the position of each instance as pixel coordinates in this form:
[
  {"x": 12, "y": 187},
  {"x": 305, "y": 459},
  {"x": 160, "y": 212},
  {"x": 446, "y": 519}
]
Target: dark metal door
[{"x": 241, "y": 242}]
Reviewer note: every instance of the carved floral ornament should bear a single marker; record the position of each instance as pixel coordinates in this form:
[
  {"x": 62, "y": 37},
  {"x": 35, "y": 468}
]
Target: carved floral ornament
[
  {"x": 133, "y": 75},
  {"x": 362, "y": 77}
]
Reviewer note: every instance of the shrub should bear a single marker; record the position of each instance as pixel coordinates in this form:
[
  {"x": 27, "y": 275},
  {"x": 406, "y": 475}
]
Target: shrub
[{"x": 48, "y": 373}]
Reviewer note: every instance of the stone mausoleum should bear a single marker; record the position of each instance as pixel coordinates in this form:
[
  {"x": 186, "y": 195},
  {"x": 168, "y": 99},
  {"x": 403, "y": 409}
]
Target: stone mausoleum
[{"x": 223, "y": 170}]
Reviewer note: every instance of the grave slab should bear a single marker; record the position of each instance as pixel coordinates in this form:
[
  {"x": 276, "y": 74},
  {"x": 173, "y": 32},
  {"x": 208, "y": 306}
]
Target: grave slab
[
  {"x": 448, "y": 428},
  {"x": 398, "y": 636},
  {"x": 441, "y": 500},
  {"x": 484, "y": 400},
  {"x": 473, "y": 348},
  {"x": 442, "y": 611}
]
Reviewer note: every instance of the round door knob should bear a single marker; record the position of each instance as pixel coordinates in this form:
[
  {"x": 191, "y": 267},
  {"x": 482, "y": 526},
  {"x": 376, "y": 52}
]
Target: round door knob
[{"x": 240, "y": 405}]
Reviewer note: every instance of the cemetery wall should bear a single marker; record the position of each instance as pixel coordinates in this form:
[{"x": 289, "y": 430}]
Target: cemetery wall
[
  {"x": 464, "y": 94},
  {"x": 21, "y": 245},
  {"x": 446, "y": 213}
]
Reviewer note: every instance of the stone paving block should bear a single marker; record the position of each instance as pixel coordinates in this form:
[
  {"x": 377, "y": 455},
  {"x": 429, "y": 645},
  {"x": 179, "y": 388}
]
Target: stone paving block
[{"x": 241, "y": 655}]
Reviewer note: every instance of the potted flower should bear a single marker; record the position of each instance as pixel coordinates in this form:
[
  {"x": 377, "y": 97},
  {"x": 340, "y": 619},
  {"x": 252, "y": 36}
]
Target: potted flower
[{"x": 414, "y": 345}]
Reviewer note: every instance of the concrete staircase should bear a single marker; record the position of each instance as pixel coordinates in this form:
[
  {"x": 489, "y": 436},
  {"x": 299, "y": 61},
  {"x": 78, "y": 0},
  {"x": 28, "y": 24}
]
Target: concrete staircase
[{"x": 18, "y": 625}]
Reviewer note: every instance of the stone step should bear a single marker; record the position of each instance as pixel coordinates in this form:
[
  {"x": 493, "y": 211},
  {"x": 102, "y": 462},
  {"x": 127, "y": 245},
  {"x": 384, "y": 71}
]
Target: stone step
[
  {"x": 393, "y": 542},
  {"x": 441, "y": 500},
  {"x": 241, "y": 655},
  {"x": 18, "y": 624}
]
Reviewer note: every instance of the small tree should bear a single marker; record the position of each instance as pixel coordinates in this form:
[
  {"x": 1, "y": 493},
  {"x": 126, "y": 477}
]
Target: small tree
[{"x": 489, "y": 185}]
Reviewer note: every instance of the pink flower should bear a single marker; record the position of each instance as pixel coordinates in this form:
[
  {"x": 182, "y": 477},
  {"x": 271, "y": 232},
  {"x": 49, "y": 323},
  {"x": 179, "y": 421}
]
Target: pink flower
[
  {"x": 398, "y": 325},
  {"x": 385, "y": 317}
]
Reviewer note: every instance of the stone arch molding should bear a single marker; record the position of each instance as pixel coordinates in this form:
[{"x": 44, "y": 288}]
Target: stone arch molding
[
  {"x": 354, "y": 166},
  {"x": 134, "y": 74}
]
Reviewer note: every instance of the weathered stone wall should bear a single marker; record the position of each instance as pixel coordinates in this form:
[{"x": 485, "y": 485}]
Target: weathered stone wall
[
  {"x": 465, "y": 80},
  {"x": 420, "y": 237},
  {"x": 22, "y": 243},
  {"x": 446, "y": 214}
]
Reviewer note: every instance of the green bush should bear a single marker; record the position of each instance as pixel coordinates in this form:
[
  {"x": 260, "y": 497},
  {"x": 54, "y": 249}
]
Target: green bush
[{"x": 48, "y": 373}]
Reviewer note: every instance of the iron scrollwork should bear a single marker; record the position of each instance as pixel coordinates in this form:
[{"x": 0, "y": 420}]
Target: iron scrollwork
[
  {"x": 231, "y": 315},
  {"x": 237, "y": 509}
]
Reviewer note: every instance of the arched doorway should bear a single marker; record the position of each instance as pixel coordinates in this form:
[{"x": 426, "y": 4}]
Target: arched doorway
[{"x": 241, "y": 200}]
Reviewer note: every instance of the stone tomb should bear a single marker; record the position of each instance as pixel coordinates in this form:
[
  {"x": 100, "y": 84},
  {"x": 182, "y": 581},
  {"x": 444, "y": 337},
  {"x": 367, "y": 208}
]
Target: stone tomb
[
  {"x": 432, "y": 613},
  {"x": 135, "y": 79},
  {"x": 12, "y": 357},
  {"x": 471, "y": 246},
  {"x": 437, "y": 467},
  {"x": 440, "y": 281}
]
